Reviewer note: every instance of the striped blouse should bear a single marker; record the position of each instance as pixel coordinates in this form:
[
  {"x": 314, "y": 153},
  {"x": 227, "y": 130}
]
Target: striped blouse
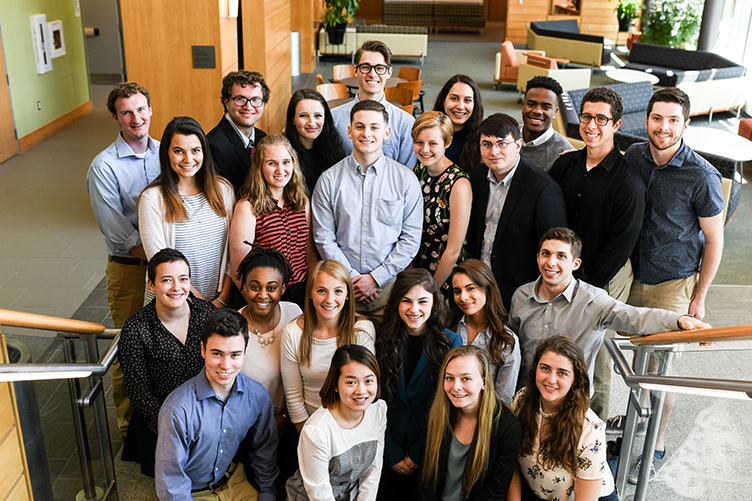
[{"x": 287, "y": 231}]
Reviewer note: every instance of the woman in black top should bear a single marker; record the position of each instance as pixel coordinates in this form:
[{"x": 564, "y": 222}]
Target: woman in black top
[{"x": 460, "y": 100}]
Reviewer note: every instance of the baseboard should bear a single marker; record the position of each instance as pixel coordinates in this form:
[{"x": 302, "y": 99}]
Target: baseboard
[{"x": 37, "y": 136}]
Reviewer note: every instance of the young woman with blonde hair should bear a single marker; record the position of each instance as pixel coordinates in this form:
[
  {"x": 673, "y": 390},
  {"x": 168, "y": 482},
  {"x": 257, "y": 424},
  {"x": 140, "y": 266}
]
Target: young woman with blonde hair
[
  {"x": 473, "y": 439},
  {"x": 308, "y": 343}
]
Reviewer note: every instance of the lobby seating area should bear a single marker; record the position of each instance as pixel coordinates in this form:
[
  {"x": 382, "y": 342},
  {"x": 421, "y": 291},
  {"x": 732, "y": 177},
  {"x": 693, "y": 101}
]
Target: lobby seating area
[{"x": 562, "y": 39}]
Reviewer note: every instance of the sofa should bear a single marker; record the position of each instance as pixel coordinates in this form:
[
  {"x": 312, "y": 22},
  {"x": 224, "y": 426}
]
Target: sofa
[
  {"x": 713, "y": 83},
  {"x": 561, "y": 39},
  {"x": 404, "y": 41},
  {"x": 635, "y": 97},
  {"x": 435, "y": 13}
]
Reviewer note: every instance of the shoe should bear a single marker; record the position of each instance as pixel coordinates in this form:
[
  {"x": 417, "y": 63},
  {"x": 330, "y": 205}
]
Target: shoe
[
  {"x": 634, "y": 471},
  {"x": 615, "y": 427}
]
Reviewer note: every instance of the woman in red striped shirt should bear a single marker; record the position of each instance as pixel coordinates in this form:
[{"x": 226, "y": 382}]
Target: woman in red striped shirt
[{"x": 275, "y": 212}]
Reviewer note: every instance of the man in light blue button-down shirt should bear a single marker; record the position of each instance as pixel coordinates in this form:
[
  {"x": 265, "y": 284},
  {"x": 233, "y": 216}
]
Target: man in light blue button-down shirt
[
  {"x": 367, "y": 211},
  {"x": 372, "y": 67}
]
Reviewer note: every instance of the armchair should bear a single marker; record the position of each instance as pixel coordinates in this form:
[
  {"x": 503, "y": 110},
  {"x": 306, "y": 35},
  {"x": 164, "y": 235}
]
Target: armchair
[
  {"x": 569, "y": 78},
  {"x": 508, "y": 61}
]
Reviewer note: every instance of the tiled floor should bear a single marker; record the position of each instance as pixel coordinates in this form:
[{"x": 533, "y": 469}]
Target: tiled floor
[{"x": 52, "y": 260}]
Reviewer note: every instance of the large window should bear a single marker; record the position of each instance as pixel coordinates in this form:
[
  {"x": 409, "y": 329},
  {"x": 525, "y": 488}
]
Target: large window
[{"x": 734, "y": 36}]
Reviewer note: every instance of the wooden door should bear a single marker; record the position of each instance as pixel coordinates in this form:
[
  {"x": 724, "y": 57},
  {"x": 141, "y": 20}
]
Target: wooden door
[
  {"x": 8, "y": 142},
  {"x": 497, "y": 10}
]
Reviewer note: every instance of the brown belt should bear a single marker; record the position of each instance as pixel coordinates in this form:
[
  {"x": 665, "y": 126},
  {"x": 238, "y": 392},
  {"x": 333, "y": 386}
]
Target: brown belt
[{"x": 133, "y": 261}]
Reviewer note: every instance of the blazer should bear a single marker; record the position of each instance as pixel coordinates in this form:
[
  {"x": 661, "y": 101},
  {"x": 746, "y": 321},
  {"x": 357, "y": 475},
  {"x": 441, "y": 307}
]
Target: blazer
[
  {"x": 407, "y": 415},
  {"x": 231, "y": 159},
  {"x": 502, "y": 460},
  {"x": 533, "y": 205}
]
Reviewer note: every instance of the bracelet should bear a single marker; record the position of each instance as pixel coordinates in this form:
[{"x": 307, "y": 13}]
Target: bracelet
[{"x": 223, "y": 303}]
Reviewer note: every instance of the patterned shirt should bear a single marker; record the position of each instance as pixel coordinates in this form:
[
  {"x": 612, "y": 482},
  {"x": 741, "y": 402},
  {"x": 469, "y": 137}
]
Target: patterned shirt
[
  {"x": 286, "y": 231},
  {"x": 671, "y": 242}
]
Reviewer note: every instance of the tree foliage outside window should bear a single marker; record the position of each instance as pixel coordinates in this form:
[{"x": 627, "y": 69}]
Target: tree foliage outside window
[{"x": 674, "y": 23}]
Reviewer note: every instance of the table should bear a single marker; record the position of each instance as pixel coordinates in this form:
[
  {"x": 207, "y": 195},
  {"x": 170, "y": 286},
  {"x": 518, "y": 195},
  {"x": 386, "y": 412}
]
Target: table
[
  {"x": 631, "y": 76},
  {"x": 720, "y": 142}
]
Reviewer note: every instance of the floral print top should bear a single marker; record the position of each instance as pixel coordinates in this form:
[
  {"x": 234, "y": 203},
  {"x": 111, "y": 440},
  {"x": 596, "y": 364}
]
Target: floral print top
[
  {"x": 436, "y": 191},
  {"x": 557, "y": 483}
]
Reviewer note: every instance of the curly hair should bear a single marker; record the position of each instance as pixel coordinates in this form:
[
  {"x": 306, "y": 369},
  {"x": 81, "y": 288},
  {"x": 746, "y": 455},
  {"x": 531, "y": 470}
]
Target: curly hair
[
  {"x": 243, "y": 78},
  {"x": 125, "y": 90},
  {"x": 559, "y": 446},
  {"x": 495, "y": 314},
  {"x": 392, "y": 337},
  {"x": 263, "y": 257}
]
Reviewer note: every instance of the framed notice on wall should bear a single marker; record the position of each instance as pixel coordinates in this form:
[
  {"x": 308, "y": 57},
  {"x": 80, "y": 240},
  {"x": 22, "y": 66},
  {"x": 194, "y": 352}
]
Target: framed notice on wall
[
  {"x": 41, "y": 41},
  {"x": 55, "y": 35}
]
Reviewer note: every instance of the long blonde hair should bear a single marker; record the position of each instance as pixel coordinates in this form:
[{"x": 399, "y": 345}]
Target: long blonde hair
[
  {"x": 346, "y": 321},
  {"x": 255, "y": 185},
  {"x": 444, "y": 416}
]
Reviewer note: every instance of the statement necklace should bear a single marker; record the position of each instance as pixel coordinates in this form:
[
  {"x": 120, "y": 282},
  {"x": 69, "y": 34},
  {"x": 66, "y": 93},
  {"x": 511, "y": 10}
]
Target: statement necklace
[
  {"x": 264, "y": 342},
  {"x": 547, "y": 416}
]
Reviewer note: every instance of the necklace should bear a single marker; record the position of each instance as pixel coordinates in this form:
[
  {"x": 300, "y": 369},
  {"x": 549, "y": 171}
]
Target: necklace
[
  {"x": 547, "y": 416},
  {"x": 264, "y": 342}
]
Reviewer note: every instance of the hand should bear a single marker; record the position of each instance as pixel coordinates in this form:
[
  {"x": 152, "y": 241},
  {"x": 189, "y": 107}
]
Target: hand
[
  {"x": 687, "y": 323},
  {"x": 410, "y": 464},
  {"x": 366, "y": 289},
  {"x": 138, "y": 251},
  {"x": 402, "y": 468},
  {"x": 697, "y": 308}
]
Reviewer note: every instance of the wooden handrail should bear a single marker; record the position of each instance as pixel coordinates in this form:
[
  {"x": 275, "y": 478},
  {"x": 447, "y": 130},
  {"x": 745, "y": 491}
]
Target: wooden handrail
[
  {"x": 734, "y": 333},
  {"x": 34, "y": 321}
]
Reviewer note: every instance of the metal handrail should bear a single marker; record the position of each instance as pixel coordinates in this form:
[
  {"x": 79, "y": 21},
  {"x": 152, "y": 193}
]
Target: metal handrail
[{"x": 45, "y": 322}]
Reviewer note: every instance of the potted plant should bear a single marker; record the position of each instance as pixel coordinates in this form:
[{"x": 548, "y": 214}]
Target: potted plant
[
  {"x": 338, "y": 12},
  {"x": 674, "y": 23},
  {"x": 627, "y": 11}
]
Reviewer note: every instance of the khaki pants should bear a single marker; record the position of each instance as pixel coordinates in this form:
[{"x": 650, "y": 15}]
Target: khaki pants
[
  {"x": 237, "y": 488},
  {"x": 617, "y": 288},
  {"x": 674, "y": 295},
  {"x": 375, "y": 310},
  {"x": 125, "y": 296}
]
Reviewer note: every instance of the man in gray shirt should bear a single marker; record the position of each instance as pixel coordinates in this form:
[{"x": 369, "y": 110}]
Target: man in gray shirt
[
  {"x": 559, "y": 304},
  {"x": 541, "y": 144}
]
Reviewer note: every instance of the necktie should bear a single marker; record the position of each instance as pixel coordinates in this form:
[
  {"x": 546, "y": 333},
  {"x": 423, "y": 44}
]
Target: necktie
[{"x": 251, "y": 149}]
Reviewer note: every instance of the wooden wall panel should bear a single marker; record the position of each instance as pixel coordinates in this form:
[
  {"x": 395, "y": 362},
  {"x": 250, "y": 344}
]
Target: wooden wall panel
[
  {"x": 157, "y": 44},
  {"x": 8, "y": 142},
  {"x": 304, "y": 19},
  {"x": 520, "y": 15},
  {"x": 599, "y": 18},
  {"x": 371, "y": 10},
  {"x": 266, "y": 49}
]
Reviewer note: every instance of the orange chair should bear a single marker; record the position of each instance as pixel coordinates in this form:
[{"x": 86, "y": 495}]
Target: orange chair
[
  {"x": 340, "y": 71},
  {"x": 409, "y": 73},
  {"x": 509, "y": 63},
  {"x": 332, "y": 90},
  {"x": 320, "y": 79},
  {"x": 416, "y": 88},
  {"x": 548, "y": 63},
  {"x": 399, "y": 95},
  {"x": 745, "y": 128},
  {"x": 407, "y": 108}
]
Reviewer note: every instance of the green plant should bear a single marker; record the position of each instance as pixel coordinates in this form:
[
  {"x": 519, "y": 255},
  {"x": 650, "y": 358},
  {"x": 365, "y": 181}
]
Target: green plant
[
  {"x": 339, "y": 11},
  {"x": 628, "y": 9},
  {"x": 674, "y": 23}
]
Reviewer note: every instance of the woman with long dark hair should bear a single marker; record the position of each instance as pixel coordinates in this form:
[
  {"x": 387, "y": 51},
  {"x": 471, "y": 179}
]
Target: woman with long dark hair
[
  {"x": 473, "y": 439},
  {"x": 310, "y": 129},
  {"x": 478, "y": 315},
  {"x": 563, "y": 450},
  {"x": 189, "y": 208},
  {"x": 410, "y": 346},
  {"x": 460, "y": 99}
]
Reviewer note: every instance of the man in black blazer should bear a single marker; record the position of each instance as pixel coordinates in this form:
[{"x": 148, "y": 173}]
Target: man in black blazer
[
  {"x": 514, "y": 203},
  {"x": 233, "y": 140}
]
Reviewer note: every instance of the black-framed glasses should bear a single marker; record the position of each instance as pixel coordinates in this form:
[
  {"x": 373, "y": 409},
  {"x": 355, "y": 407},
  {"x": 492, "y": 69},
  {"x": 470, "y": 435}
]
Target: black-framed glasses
[
  {"x": 366, "y": 68},
  {"x": 601, "y": 120},
  {"x": 241, "y": 101},
  {"x": 488, "y": 145}
]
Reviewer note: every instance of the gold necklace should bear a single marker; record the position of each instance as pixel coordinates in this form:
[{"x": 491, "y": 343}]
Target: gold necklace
[{"x": 264, "y": 342}]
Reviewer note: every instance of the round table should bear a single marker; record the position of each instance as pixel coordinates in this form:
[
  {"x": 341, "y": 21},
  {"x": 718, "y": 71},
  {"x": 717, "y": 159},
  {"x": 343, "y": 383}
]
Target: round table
[
  {"x": 631, "y": 76},
  {"x": 720, "y": 142}
]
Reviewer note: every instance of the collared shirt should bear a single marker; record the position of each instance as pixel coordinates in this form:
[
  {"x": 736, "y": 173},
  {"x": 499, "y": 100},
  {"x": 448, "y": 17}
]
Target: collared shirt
[
  {"x": 545, "y": 149},
  {"x": 368, "y": 219},
  {"x": 398, "y": 146},
  {"x": 671, "y": 242},
  {"x": 605, "y": 207},
  {"x": 582, "y": 313},
  {"x": 505, "y": 376},
  {"x": 115, "y": 179},
  {"x": 246, "y": 139},
  {"x": 199, "y": 434},
  {"x": 497, "y": 195},
  {"x": 538, "y": 140}
]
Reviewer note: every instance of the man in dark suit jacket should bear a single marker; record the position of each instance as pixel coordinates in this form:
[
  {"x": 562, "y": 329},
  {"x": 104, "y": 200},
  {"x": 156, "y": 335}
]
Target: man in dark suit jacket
[
  {"x": 514, "y": 203},
  {"x": 233, "y": 140}
]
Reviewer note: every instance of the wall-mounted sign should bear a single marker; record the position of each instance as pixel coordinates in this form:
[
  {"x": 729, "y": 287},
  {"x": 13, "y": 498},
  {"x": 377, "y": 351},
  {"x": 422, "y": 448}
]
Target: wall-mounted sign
[
  {"x": 203, "y": 56},
  {"x": 41, "y": 41}
]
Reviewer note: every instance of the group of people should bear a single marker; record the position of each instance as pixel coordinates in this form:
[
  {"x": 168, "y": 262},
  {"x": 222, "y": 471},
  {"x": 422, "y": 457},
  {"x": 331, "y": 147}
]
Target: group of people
[{"x": 377, "y": 305}]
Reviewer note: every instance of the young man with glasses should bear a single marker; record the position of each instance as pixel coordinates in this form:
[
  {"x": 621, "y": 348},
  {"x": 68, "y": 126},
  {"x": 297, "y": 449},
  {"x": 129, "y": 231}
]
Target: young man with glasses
[
  {"x": 605, "y": 204},
  {"x": 514, "y": 203},
  {"x": 233, "y": 140},
  {"x": 373, "y": 68}
]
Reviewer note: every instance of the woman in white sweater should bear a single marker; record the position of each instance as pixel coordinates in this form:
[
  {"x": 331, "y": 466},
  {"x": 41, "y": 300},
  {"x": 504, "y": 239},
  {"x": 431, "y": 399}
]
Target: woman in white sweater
[
  {"x": 188, "y": 208},
  {"x": 342, "y": 444},
  {"x": 308, "y": 343}
]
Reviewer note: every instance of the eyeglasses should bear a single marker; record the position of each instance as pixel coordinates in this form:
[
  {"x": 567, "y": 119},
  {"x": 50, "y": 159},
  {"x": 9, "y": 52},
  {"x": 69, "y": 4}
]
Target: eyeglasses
[
  {"x": 488, "y": 145},
  {"x": 366, "y": 68},
  {"x": 241, "y": 101},
  {"x": 601, "y": 120}
]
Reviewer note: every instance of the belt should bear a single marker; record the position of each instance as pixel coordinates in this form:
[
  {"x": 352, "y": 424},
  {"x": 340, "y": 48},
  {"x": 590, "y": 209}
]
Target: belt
[
  {"x": 133, "y": 261},
  {"x": 219, "y": 483}
]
